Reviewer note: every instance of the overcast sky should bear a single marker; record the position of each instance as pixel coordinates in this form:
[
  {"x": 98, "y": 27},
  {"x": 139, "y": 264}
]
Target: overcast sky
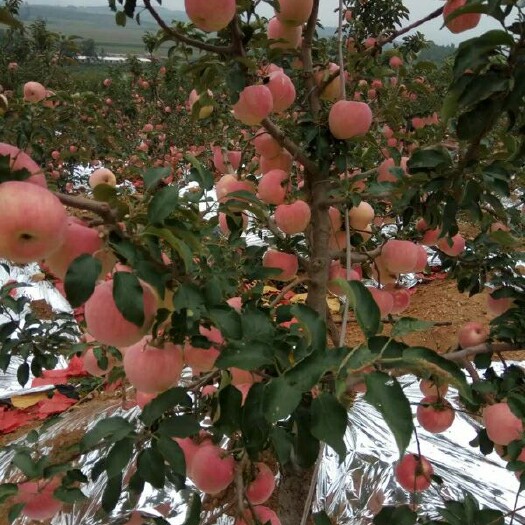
[{"x": 418, "y": 9}]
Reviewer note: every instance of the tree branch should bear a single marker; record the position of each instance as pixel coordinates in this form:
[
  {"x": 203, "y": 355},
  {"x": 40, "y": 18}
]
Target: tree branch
[
  {"x": 278, "y": 134},
  {"x": 385, "y": 40},
  {"x": 485, "y": 348},
  {"x": 80, "y": 203},
  {"x": 180, "y": 37},
  {"x": 313, "y": 96}
]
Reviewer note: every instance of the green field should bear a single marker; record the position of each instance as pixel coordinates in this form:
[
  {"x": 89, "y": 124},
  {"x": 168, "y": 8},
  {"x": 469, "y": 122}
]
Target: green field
[{"x": 99, "y": 24}]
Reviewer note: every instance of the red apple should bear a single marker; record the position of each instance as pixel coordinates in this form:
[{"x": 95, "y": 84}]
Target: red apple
[
  {"x": 286, "y": 262},
  {"x": 414, "y": 473},
  {"x": 472, "y": 334},
  {"x": 435, "y": 414}
]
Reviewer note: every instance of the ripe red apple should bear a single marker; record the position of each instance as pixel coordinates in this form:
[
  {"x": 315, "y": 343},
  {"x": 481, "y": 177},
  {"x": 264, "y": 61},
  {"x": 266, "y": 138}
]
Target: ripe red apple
[
  {"x": 401, "y": 297},
  {"x": 414, "y": 473},
  {"x": 283, "y": 162},
  {"x": 91, "y": 364},
  {"x": 381, "y": 272},
  {"x": 472, "y": 334},
  {"x": 102, "y": 176},
  {"x": 212, "y": 334},
  {"x": 332, "y": 91},
  {"x": 290, "y": 36},
  {"x": 501, "y": 424},
  {"x": 143, "y": 398},
  {"x": 273, "y": 187},
  {"x": 223, "y": 222},
  {"x": 400, "y": 256},
  {"x": 212, "y": 469},
  {"x": 458, "y": 245},
  {"x": 383, "y": 299},
  {"x": 200, "y": 360},
  {"x": 255, "y": 103},
  {"x": 422, "y": 259},
  {"x": 294, "y": 12},
  {"x": 348, "y": 119},
  {"x": 435, "y": 414},
  {"x": 105, "y": 322},
  {"x": 33, "y": 222},
  {"x": 34, "y": 92},
  {"x": 497, "y": 307},
  {"x": 20, "y": 160},
  {"x": 235, "y": 303},
  {"x": 384, "y": 169},
  {"x": 462, "y": 22},
  {"x": 432, "y": 388},
  {"x": 38, "y": 499},
  {"x": 337, "y": 271},
  {"x": 79, "y": 240},
  {"x": 282, "y": 89},
  {"x": 205, "y": 111},
  {"x": 266, "y": 145},
  {"x": 228, "y": 184},
  {"x": 263, "y": 514},
  {"x": 210, "y": 15},
  {"x": 336, "y": 219},
  {"x": 226, "y": 165},
  {"x": 261, "y": 488},
  {"x": 152, "y": 369},
  {"x": 286, "y": 262},
  {"x": 293, "y": 218},
  {"x": 361, "y": 215},
  {"x": 395, "y": 62}
]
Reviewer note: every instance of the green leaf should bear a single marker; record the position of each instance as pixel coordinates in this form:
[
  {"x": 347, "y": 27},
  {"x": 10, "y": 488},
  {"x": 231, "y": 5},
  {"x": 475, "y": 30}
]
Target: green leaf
[
  {"x": 173, "y": 454},
  {"x": 229, "y": 409},
  {"x": 227, "y": 320},
  {"x": 254, "y": 426},
  {"x": 69, "y": 495},
  {"x": 256, "y": 325},
  {"x": 81, "y": 278},
  {"x": 386, "y": 395},
  {"x": 22, "y": 373},
  {"x": 14, "y": 511},
  {"x": 313, "y": 325},
  {"x": 112, "y": 429},
  {"x": 112, "y": 492},
  {"x": 22, "y": 460},
  {"x": 120, "y": 18},
  {"x": 365, "y": 308},
  {"x": 407, "y": 325},
  {"x": 306, "y": 446},
  {"x": 425, "y": 359},
  {"x": 194, "y": 514},
  {"x": 182, "y": 249},
  {"x": 163, "y": 204},
  {"x": 329, "y": 422},
  {"x": 7, "y": 490},
  {"x": 179, "y": 426},
  {"x": 7, "y": 18},
  {"x": 245, "y": 355},
  {"x": 129, "y": 297},
  {"x": 105, "y": 193},
  {"x": 119, "y": 456},
  {"x": 164, "y": 402},
  {"x": 429, "y": 159},
  {"x": 280, "y": 399},
  {"x": 282, "y": 442},
  {"x": 321, "y": 518},
  {"x": 152, "y": 176},
  {"x": 401, "y": 515},
  {"x": 200, "y": 174},
  {"x": 150, "y": 465}
]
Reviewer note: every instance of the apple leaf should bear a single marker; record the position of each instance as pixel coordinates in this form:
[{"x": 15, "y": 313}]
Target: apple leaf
[
  {"x": 129, "y": 297},
  {"x": 81, "y": 278}
]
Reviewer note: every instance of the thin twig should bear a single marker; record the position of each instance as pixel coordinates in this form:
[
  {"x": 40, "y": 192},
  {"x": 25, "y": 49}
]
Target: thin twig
[
  {"x": 287, "y": 288},
  {"x": 313, "y": 484},
  {"x": 180, "y": 37},
  {"x": 81, "y": 203},
  {"x": 485, "y": 348}
]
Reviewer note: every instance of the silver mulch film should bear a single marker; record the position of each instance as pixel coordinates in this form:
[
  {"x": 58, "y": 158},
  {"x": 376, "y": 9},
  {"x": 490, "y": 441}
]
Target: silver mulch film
[{"x": 351, "y": 492}]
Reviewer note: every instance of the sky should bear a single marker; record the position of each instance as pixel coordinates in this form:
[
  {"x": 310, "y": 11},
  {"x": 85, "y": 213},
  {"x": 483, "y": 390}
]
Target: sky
[{"x": 418, "y": 9}]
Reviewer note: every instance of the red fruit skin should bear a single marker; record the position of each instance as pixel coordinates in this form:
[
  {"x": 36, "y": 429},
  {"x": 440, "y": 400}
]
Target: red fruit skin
[
  {"x": 38, "y": 498},
  {"x": 261, "y": 488},
  {"x": 212, "y": 469},
  {"x": 472, "y": 334},
  {"x": 263, "y": 514},
  {"x": 414, "y": 473},
  {"x": 501, "y": 424},
  {"x": 293, "y": 218},
  {"x": 462, "y": 22},
  {"x": 383, "y": 299},
  {"x": 435, "y": 419},
  {"x": 287, "y": 262}
]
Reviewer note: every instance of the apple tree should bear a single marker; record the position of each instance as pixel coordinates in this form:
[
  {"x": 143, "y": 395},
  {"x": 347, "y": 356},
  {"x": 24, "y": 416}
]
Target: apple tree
[{"x": 346, "y": 158}]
